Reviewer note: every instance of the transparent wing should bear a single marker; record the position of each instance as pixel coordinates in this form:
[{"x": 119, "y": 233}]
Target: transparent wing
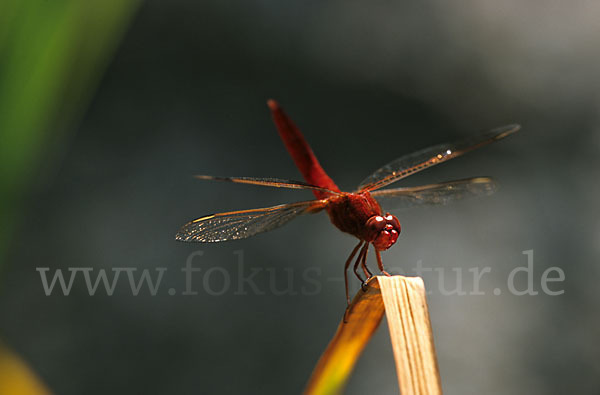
[
  {"x": 269, "y": 182},
  {"x": 421, "y": 160},
  {"x": 245, "y": 223},
  {"x": 435, "y": 194}
]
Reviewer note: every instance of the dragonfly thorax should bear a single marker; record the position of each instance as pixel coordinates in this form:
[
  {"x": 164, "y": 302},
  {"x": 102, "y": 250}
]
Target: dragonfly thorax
[{"x": 383, "y": 231}]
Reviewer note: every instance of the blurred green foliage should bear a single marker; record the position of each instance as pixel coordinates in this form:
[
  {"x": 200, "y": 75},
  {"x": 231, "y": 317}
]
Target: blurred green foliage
[{"x": 52, "y": 54}]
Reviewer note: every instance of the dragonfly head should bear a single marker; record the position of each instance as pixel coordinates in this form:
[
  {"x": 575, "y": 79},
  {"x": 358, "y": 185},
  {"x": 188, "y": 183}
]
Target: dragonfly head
[{"x": 383, "y": 231}]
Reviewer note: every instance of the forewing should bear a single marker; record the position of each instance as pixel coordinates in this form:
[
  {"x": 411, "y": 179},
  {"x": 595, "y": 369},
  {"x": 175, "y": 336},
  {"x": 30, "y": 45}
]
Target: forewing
[
  {"x": 423, "y": 159},
  {"x": 435, "y": 194},
  {"x": 242, "y": 224},
  {"x": 269, "y": 182}
]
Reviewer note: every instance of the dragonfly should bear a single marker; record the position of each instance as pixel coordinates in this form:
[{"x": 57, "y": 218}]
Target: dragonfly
[{"x": 358, "y": 213}]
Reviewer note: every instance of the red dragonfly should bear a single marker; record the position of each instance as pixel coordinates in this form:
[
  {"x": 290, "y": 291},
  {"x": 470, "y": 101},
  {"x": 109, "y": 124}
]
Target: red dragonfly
[{"x": 357, "y": 213}]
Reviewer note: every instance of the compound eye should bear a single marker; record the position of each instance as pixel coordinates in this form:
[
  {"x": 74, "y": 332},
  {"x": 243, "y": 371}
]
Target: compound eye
[
  {"x": 377, "y": 222},
  {"x": 392, "y": 220}
]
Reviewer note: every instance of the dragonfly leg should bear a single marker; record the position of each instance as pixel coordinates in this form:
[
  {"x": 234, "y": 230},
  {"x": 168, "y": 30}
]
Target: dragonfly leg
[
  {"x": 365, "y": 268},
  {"x": 346, "y": 266},
  {"x": 368, "y": 274},
  {"x": 380, "y": 263},
  {"x": 359, "y": 260}
]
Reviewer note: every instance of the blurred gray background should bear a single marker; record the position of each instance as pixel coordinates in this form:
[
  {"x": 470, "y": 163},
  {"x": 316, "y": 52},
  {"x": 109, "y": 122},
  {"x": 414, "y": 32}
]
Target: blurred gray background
[{"x": 185, "y": 94}]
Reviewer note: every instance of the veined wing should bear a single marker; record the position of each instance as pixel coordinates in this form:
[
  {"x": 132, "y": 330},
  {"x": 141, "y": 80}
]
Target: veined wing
[
  {"x": 421, "y": 160},
  {"x": 435, "y": 194},
  {"x": 245, "y": 223},
  {"x": 269, "y": 182}
]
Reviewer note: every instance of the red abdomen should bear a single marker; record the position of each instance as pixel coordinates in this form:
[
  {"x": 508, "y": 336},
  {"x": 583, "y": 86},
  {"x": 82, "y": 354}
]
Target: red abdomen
[{"x": 349, "y": 212}]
